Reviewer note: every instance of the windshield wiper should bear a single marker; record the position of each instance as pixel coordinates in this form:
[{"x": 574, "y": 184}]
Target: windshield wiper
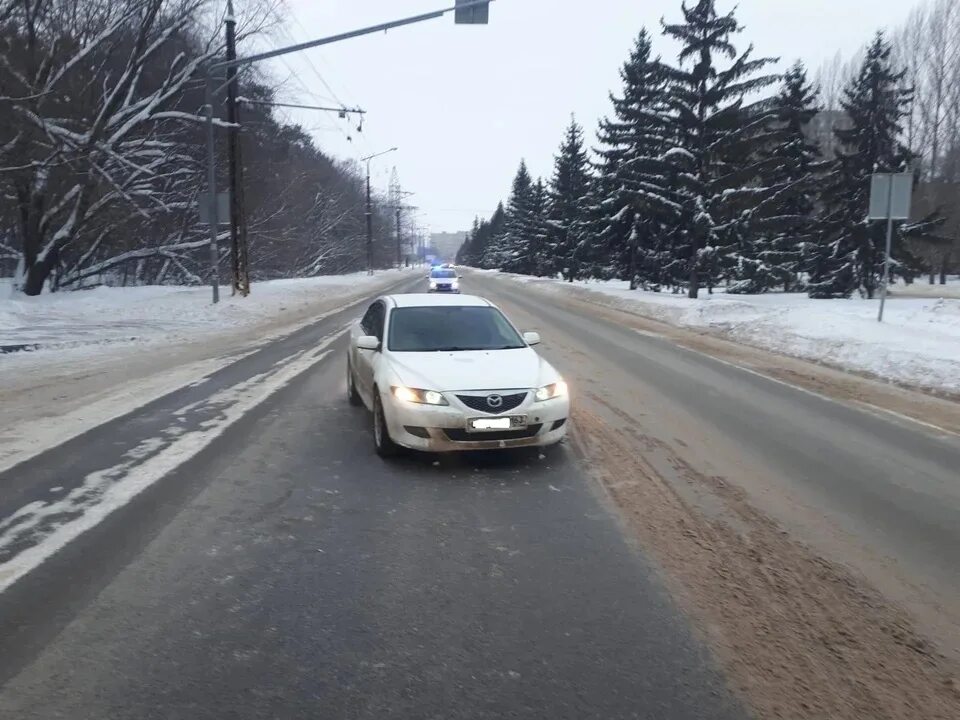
[{"x": 456, "y": 348}]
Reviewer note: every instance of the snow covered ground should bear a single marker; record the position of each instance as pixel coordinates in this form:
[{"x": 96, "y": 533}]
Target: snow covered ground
[
  {"x": 105, "y": 352},
  {"x": 918, "y": 343},
  {"x": 71, "y": 321}
]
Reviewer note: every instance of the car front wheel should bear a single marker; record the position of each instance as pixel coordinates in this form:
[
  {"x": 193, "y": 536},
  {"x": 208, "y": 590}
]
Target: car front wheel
[
  {"x": 352, "y": 395},
  {"x": 383, "y": 444}
]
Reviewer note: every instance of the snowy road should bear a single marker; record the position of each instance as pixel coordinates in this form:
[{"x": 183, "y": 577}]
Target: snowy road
[
  {"x": 707, "y": 529},
  {"x": 815, "y": 538},
  {"x": 260, "y": 561}
]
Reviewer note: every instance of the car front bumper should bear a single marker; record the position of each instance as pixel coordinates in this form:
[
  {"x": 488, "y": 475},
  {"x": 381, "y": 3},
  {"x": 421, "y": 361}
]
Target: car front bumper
[
  {"x": 445, "y": 426},
  {"x": 444, "y": 289}
]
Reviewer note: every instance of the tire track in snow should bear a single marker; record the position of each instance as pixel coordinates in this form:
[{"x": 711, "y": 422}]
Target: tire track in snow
[{"x": 39, "y": 529}]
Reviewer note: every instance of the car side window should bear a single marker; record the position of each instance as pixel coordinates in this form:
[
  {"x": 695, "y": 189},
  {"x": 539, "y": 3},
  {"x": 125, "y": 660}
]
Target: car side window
[
  {"x": 368, "y": 321},
  {"x": 372, "y": 323},
  {"x": 379, "y": 315}
]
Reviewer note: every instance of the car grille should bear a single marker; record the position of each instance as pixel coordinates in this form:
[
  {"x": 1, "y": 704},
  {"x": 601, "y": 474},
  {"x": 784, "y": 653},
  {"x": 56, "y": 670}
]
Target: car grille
[
  {"x": 482, "y": 402},
  {"x": 460, "y": 435}
]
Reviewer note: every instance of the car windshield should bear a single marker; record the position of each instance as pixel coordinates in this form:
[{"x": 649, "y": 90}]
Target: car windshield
[
  {"x": 451, "y": 328},
  {"x": 443, "y": 274}
]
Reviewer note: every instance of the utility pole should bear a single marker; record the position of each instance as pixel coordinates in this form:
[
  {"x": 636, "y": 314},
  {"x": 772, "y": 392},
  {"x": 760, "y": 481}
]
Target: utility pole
[
  {"x": 369, "y": 225},
  {"x": 212, "y": 195},
  {"x": 369, "y": 212},
  {"x": 399, "y": 251},
  {"x": 238, "y": 235}
]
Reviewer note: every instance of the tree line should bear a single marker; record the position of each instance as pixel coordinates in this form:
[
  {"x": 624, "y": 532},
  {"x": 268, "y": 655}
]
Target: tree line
[
  {"x": 714, "y": 171},
  {"x": 102, "y": 152}
]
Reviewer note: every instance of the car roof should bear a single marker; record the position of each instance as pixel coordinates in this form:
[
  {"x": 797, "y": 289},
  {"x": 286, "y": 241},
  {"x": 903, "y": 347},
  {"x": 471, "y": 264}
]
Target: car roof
[{"x": 437, "y": 300}]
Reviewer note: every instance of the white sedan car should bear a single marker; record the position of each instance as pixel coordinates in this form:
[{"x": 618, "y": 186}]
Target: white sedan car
[{"x": 442, "y": 372}]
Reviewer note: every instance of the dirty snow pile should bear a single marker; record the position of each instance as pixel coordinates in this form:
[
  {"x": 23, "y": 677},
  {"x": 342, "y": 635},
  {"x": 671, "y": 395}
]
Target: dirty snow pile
[
  {"x": 168, "y": 314},
  {"x": 918, "y": 343}
]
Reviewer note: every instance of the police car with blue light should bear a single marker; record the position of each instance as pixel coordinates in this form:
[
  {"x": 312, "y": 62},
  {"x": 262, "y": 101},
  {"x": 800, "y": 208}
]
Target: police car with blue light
[{"x": 444, "y": 278}]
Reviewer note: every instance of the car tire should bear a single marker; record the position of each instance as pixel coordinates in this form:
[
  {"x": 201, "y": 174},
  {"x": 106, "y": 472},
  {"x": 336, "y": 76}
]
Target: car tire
[
  {"x": 382, "y": 442},
  {"x": 352, "y": 395}
]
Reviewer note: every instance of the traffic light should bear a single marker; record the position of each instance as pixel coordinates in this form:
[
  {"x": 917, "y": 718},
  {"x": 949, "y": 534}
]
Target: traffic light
[{"x": 472, "y": 12}]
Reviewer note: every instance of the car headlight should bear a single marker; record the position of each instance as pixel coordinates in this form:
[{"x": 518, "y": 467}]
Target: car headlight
[
  {"x": 433, "y": 284},
  {"x": 419, "y": 397},
  {"x": 548, "y": 392}
]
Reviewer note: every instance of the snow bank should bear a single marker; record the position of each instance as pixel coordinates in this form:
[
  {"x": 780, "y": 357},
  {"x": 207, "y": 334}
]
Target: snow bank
[
  {"x": 917, "y": 344},
  {"x": 168, "y": 314}
]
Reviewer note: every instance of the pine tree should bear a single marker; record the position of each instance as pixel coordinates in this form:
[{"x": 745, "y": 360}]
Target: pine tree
[
  {"x": 850, "y": 252},
  {"x": 567, "y": 194},
  {"x": 783, "y": 221},
  {"x": 720, "y": 137},
  {"x": 798, "y": 171},
  {"x": 517, "y": 247},
  {"x": 466, "y": 255},
  {"x": 541, "y": 260},
  {"x": 591, "y": 257},
  {"x": 489, "y": 246},
  {"x": 635, "y": 204}
]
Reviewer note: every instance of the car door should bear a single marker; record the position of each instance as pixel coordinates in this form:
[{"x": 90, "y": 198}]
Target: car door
[{"x": 364, "y": 360}]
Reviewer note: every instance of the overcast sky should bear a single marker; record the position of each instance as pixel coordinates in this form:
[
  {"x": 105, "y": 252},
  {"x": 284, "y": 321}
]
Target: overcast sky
[{"x": 464, "y": 103}]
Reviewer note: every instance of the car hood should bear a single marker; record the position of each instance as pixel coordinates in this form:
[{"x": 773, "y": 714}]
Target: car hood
[{"x": 472, "y": 370}]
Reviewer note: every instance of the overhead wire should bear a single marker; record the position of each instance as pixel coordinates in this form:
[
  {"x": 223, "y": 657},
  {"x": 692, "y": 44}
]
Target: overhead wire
[
  {"x": 319, "y": 99},
  {"x": 335, "y": 98}
]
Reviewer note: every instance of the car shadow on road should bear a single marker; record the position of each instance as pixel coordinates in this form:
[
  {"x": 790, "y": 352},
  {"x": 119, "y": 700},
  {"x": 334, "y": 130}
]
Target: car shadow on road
[{"x": 513, "y": 464}]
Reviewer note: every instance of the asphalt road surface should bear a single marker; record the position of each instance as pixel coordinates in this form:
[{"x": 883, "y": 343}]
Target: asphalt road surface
[
  {"x": 261, "y": 562},
  {"x": 859, "y": 482}
]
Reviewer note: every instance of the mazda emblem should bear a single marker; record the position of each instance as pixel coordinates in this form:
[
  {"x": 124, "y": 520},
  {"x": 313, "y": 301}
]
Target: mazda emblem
[{"x": 494, "y": 401}]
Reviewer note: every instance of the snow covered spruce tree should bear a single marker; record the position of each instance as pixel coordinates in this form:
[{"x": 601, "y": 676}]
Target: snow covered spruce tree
[
  {"x": 487, "y": 245},
  {"x": 565, "y": 216},
  {"x": 849, "y": 254},
  {"x": 465, "y": 253},
  {"x": 722, "y": 135},
  {"x": 541, "y": 260},
  {"x": 771, "y": 254},
  {"x": 800, "y": 169},
  {"x": 592, "y": 256},
  {"x": 638, "y": 207},
  {"x": 518, "y": 249}
]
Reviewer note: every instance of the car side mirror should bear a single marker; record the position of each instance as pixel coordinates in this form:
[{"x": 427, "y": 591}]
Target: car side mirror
[
  {"x": 368, "y": 342},
  {"x": 531, "y": 338}
]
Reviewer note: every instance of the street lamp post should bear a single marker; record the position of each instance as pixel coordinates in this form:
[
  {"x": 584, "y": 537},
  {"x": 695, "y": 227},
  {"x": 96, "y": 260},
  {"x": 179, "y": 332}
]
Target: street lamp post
[{"x": 369, "y": 212}]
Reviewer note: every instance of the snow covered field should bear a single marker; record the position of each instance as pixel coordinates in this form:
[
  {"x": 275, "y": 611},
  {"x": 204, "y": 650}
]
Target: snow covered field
[
  {"x": 70, "y": 322},
  {"x": 918, "y": 343}
]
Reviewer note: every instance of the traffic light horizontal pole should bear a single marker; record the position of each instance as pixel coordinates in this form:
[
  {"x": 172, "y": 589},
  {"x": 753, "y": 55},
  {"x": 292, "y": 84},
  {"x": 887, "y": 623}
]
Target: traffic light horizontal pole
[{"x": 345, "y": 36}]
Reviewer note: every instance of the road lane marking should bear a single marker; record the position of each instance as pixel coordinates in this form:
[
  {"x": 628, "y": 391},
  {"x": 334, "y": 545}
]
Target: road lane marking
[
  {"x": 40, "y": 529},
  {"x": 848, "y": 403}
]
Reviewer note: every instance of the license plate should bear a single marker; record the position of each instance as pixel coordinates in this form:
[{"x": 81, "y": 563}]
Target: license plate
[{"x": 501, "y": 423}]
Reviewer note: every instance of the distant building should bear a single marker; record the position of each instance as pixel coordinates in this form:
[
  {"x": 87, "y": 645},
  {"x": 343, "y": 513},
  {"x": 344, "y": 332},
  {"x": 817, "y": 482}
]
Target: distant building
[
  {"x": 939, "y": 249},
  {"x": 821, "y": 130},
  {"x": 446, "y": 245}
]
